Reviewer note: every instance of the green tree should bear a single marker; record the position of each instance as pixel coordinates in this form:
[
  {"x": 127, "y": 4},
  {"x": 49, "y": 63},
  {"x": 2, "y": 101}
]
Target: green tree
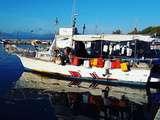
[{"x": 151, "y": 30}]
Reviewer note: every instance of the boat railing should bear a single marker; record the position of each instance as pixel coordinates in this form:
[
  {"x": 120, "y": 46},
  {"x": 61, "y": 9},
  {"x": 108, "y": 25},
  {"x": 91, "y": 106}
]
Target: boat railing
[
  {"x": 21, "y": 51},
  {"x": 122, "y": 59}
]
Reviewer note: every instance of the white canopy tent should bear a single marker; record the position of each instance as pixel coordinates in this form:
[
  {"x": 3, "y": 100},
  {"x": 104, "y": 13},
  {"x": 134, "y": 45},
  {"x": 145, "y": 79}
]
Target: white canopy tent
[
  {"x": 62, "y": 41},
  {"x": 113, "y": 38}
]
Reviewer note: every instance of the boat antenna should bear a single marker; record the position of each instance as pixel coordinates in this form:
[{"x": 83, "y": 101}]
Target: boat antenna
[
  {"x": 74, "y": 15},
  {"x": 84, "y": 27},
  {"x": 135, "y": 40},
  {"x": 56, "y": 24},
  {"x": 96, "y": 29},
  {"x": 73, "y": 11}
]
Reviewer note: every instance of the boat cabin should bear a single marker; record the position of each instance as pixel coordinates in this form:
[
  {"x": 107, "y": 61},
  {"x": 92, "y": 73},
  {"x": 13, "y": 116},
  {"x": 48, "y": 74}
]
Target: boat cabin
[
  {"x": 106, "y": 46},
  {"x": 95, "y": 50}
]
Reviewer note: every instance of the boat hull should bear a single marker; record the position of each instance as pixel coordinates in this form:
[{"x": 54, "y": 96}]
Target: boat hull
[{"x": 134, "y": 75}]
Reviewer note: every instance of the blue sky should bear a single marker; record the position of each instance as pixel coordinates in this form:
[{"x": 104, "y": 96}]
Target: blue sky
[{"x": 108, "y": 15}]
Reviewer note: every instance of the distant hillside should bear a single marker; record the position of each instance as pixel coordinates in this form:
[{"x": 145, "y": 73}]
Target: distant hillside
[
  {"x": 25, "y": 35},
  {"x": 152, "y": 30}
]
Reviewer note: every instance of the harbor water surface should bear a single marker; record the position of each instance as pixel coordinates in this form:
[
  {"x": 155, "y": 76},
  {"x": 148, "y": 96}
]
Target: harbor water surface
[
  {"x": 12, "y": 75},
  {"x": 11, "y": 70}
]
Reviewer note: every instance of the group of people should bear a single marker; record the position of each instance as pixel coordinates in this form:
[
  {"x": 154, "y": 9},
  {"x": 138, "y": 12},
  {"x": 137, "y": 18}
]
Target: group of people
[{"x": 64, "y": 56}]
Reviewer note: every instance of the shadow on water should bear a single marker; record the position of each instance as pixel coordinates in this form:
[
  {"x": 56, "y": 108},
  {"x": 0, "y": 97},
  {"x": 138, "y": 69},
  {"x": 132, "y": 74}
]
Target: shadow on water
[{"x": 11, "y": 70}]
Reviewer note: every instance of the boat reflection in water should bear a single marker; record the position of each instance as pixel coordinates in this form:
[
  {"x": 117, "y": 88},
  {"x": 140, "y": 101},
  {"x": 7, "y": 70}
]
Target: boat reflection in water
[{"x": 60, "y": 94}]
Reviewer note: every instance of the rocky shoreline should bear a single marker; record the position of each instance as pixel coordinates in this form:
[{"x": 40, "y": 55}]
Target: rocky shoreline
[{"x": 24, "y": 41}]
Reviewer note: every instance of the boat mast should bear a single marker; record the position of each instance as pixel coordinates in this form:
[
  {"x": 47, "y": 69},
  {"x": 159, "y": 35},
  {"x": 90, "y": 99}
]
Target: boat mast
[
  {"x": 73, "y": 19},
  {"x": 56, "y": 31},
  {"x": 53, "y": 45},
  {"x": 73, "y": 13},
  {"x": 135, "y": 40},
  {"x": 135, "y": 48}
]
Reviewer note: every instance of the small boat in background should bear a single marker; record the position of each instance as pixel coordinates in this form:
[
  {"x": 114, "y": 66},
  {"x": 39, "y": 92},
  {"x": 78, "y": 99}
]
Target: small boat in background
[{"x": 1, "y": 41}]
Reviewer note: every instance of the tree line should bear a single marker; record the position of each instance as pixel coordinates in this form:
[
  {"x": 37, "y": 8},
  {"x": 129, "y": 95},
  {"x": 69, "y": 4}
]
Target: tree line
[{"x": 152, "y": 30}]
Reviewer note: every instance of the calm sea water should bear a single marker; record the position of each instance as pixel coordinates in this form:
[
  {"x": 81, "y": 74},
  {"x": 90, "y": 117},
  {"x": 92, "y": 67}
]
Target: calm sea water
[{"x": 10, "y": 70}]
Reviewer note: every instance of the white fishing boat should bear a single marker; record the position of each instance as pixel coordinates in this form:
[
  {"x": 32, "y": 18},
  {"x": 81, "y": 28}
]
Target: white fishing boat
[
  {"x": 128, "y": 71},
  {"x": 116, "y": 58}
]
